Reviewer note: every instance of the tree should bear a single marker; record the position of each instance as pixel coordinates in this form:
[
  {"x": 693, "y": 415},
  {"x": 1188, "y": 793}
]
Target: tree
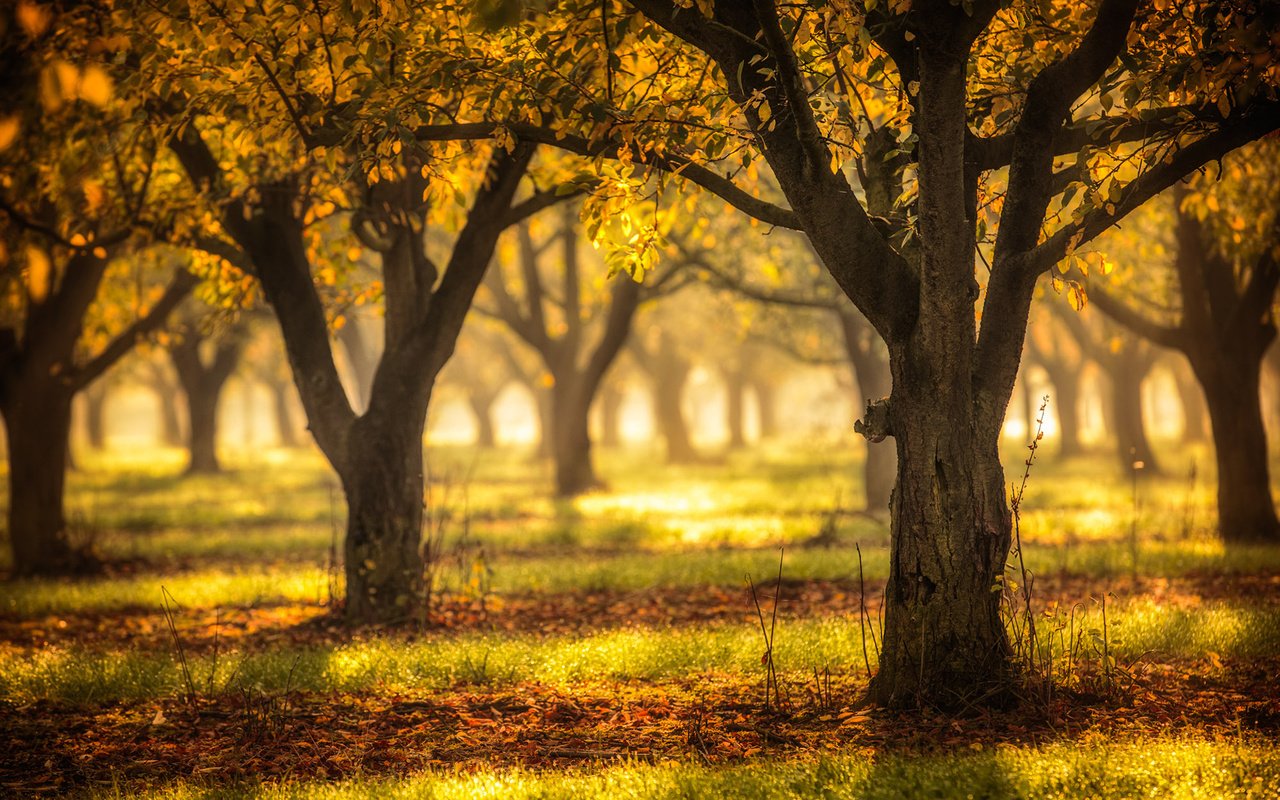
[
  {"x": 203, "y": 361},
  {"x": 1127, "y": 361},
  {"x": 79, "y": 181},
  {"x": 792, "y": 76},
  {"x": 1225, "y": 323}
]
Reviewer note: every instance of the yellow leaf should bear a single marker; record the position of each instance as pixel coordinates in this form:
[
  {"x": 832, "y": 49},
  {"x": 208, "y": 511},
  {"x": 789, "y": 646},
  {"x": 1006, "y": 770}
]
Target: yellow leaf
[
  {"x": 39, "y": 274},
  {"x": 95, "y": 86},
  {"x": 33, "y": 18},
  {"x": 78, "y": 240},
  {"x": 9, "y": 127}
]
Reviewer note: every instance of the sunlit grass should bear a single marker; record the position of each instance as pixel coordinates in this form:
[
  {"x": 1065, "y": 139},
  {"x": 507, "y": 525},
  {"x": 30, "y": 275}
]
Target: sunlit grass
[
  {"x": 1171, "y": 769},
  {"x": 442, "y": 661},
  {"x": 247, "y": 585}
]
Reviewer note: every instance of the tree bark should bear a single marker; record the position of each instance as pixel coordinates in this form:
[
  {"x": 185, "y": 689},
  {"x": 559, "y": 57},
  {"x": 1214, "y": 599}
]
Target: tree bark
[
  {"x": 383, "y": 482},
  {"x": 95, "y": 408},
  {"x": 38, "y": 425},
  {"x": 1246, "y": 511},
  {"x": 870, "y": 364},
  {"x": 571, "y": 439},
  {"x": 944, "y": 640}
]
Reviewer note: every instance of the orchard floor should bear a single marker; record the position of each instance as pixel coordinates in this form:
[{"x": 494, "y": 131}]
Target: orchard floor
[{"x": 609, "y": 646}]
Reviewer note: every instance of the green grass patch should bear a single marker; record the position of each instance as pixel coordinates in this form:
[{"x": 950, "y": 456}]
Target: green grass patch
[{"x": 440, "y": 662}]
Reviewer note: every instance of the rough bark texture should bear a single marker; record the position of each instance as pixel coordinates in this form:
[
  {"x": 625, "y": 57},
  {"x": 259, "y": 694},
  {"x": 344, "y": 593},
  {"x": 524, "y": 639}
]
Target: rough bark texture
[{"x": 383, "y": 483}]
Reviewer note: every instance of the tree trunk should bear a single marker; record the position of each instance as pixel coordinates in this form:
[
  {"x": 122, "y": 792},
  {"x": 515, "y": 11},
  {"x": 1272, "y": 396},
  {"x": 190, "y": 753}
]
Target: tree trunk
[
  {"x": 611, "y": 398},
  {"x": 1066, "y": 396},
  {"x": 668, "y": 411},
  {"x": 170, "y": 420},
  {"x": 735, "y": 386},
  {"x": 1132, "y": 446},
  {"x": 286, "y": 429},
  {"x": 571, "y": 439},
  {"x": 95, "y": 408},
  {"x": 871, "y": 371},
  {"x": 481, "y": 404},
  {"x": 1192, "y": 400},
  {"x": 38, "y": 427},
  {"x": 1246, "y": 511},
  {"x": 383, "y": 481},
  {"x": 944, "y": 640},
  {"x": 202, "y": 414},
  {"x": 766, "y": 408},
  {"x": 203, "y": 384}
]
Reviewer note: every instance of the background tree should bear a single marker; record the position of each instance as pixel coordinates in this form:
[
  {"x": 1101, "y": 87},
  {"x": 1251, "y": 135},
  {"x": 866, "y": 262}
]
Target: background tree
[
  {"x": 78, "y": 183},
  {"x": 1224, "y": 324}
]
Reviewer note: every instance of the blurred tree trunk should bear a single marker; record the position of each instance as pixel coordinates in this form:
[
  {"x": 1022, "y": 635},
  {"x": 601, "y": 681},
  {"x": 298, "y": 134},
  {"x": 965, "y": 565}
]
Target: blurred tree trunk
[
  {"x": 766, "y": 393},
  {"x": 735, "y": 387},
  {"x": 1194, "y": 412},
  {"x": 611, "y": 397},
  {"x": 95, "y": 413},
  {"x": 668, "y": 370},
  {"x": 202, "y": 383}
]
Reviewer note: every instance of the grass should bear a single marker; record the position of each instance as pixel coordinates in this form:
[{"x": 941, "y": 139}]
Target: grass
[
  {"x": 1171, "y": 769},
  {"x": 437, "y": 662},
  {"x": 260, "y": 535}
]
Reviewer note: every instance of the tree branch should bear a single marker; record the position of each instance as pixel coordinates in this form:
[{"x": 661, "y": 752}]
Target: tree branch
[{"x": 179, "y": 287}]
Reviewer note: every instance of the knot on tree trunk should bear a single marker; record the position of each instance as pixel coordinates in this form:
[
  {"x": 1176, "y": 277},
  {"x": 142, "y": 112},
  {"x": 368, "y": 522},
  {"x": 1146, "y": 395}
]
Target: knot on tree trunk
[{"x": 875, "y": 424}]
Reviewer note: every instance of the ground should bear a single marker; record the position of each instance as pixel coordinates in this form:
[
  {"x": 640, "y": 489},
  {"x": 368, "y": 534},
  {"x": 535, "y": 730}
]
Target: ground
[{"x": 610, "y": 645}]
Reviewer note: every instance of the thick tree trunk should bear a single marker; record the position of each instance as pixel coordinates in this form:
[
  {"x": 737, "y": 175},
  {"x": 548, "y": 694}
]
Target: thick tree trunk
[
  {"x": 383, "y": 480},
  {"x": 1246, "y": 510},
  {"x": 38, "y": 427},
  {"x": 944, "y": 640}
]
